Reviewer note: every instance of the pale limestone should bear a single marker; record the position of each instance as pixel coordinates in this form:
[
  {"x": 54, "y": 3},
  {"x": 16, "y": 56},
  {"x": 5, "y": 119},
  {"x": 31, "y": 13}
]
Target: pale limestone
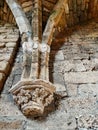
[
  {"x": 88, "y": 121},
  {"x": 4, "y": 67},
  {"x": 11, "y": 123},
  {"x": 9, "y": 40},
  {"x": 5, "y": 57},
  {"x": 11, "y": 44},
  {"x": 13, "y": 36},
  {"x": 88, "y": 89},
  {"x": 5, "y": 109},
  {"x": 81, "y": 77},
  {"x": 72, "y": 89}
]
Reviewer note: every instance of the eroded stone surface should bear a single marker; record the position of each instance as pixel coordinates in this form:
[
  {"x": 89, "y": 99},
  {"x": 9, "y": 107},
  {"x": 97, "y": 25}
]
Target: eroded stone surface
[{"x": 32, "y": 97}]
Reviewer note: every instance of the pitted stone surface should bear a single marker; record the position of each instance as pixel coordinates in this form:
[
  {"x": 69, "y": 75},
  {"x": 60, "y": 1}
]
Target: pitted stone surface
[{"x": 75, "y": 73}]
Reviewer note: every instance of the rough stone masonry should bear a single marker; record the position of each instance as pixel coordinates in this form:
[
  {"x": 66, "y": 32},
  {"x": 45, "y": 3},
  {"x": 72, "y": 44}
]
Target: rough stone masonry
[{"x": 75, "y": 56}]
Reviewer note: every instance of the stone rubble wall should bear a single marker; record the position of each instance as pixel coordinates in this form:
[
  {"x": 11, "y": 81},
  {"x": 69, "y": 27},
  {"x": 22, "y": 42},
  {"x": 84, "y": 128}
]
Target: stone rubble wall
[{"x": 9, "y": 36}]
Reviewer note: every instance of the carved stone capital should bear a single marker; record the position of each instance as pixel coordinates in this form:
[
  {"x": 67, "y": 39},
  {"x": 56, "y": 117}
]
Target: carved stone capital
[{"x": 32, "y": 97}]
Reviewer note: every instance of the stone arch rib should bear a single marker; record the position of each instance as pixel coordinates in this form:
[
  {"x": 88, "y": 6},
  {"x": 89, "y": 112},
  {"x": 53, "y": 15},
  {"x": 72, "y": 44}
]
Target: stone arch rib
[{"x": 20, "y": 17}]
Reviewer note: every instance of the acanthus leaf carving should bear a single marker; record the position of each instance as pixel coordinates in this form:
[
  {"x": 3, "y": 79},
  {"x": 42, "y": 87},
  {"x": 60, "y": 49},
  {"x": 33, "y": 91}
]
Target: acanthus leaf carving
[{"x": 32, "y": 99}]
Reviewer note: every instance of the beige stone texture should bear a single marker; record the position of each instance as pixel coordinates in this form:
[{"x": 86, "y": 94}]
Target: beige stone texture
[
  {"x": 81, "y": 77},
  {"x": 11, "y": 44},
  {"x": 72, "y": 89},
  {"x": 4, "y": 67}
]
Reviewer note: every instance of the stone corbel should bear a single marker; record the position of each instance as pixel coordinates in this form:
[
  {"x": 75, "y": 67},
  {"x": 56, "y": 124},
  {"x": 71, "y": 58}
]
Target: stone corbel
[{"x": 34, "y": 92}]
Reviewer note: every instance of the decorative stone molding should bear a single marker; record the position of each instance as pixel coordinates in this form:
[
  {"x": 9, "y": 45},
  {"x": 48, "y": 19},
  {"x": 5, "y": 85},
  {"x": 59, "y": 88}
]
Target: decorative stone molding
[{"x": 32, "y": 97}]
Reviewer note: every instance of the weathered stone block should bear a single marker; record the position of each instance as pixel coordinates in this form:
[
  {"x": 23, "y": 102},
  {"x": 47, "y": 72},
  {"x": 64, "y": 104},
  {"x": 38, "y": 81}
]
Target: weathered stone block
[
  {"x": 81, "y": 77},
  {"x": 11, "y": 124},
  {"x": 72, "y": 89},
  {"x": 4, "y": 67},
  {"x": 88, "y": 89},
  {"x": 69, "y": 66},
  {"x": 6, "y": 104},
  {"x": 11, "y": 44},
  {"x": 9, "y": 40},
  {"x": 88, "y": 121}
]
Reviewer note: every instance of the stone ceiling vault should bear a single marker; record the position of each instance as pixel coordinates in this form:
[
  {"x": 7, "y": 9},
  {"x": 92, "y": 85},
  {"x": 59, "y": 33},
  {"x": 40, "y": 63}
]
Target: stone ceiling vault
[
  {"x": 77, "y": 9},
  {"x": 6, "y": 15}
]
